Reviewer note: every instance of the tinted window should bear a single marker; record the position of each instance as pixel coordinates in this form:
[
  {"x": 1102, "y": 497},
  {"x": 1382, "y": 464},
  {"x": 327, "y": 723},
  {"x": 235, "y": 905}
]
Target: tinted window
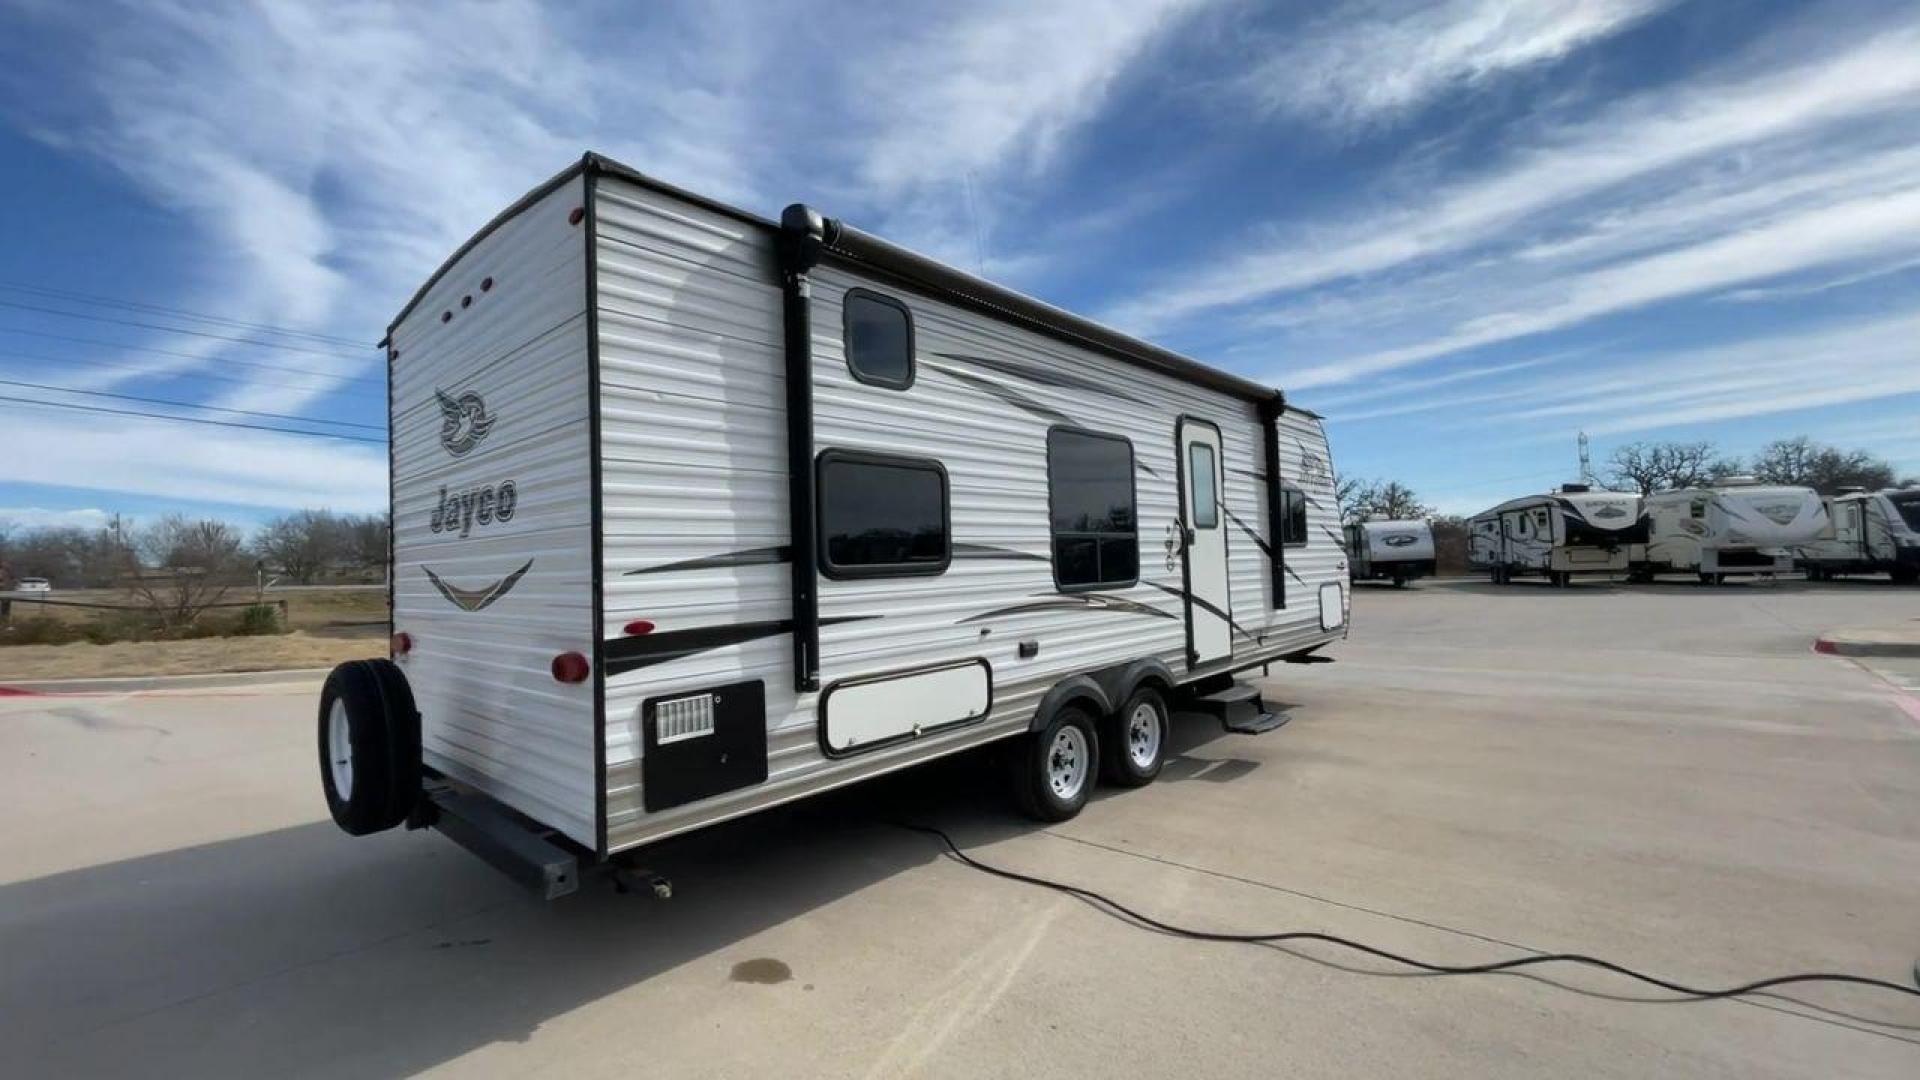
[
  {"x": 1909, "y": 507},
  {"x": 881, "y": 515},
  {"x": 879, "y": 339},
  {"x": 1090, "y": 497},
  {"x": 1293, "y": 516},
  {"x": 1206, "y": 508}
]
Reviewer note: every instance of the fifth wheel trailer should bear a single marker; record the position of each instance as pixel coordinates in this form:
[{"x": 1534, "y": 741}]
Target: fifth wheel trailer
[
  {"x": 1735, "y": 526},
  {"x": 697, "y": 513},
  {"x": 1868, "y": 532},
  {"x": 1575, "y": 530},
  {"x": 1396, "y": 551}
]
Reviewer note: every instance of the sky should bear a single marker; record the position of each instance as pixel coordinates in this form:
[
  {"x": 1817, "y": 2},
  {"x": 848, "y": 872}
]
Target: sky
[{"x": 1465, "y": 231}]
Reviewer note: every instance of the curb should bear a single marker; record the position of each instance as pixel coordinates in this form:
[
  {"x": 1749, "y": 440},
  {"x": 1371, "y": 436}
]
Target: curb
[
  {"x": 216, "y": 680},
  {"x": 1846, "y": 646}
]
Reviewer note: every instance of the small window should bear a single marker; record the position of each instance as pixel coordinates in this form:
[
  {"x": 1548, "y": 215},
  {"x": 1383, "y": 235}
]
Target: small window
[
  {"x": 1206, "y": 499},
  {"x": 878, "y": 333},
  {"x": 1096, "y": 540},
  {"x": 1293, "y": 516},
  {"x": 881, "y": 516}
]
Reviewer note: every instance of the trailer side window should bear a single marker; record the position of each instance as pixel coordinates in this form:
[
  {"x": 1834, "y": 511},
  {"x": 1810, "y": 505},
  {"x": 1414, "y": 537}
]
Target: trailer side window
[
  {"x": 878, "y": 332},
  {"x": 1293, "y": 516},
  {"x": 881, "y": 516},
  {"x": 1096, "y": 540}
]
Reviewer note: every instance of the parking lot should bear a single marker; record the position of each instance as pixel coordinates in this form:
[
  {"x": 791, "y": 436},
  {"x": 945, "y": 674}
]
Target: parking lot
[{"x": 1666, "y": 776}]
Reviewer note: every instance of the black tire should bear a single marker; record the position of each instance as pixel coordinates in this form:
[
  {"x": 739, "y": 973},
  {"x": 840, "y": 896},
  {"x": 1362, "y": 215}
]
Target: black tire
[
  {"x": 381, "y": 769},
  {"x": 1033, "y": 758},
  {"x": 1905, "y": 575},
  {"x": 1121, "y": 739}
]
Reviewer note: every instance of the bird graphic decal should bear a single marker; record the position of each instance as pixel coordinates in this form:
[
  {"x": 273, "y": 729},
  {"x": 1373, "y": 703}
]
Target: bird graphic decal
[{"x": 466, "y": 421}]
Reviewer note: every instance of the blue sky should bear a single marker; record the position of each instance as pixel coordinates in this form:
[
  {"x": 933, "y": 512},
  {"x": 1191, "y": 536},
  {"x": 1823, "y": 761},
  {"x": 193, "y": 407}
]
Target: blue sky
[{"x": 1464, "y": 230}]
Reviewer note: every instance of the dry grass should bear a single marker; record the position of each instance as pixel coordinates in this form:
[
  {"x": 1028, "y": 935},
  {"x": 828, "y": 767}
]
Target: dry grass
[
  {"x": 328, "y": 626},
  {"x": 198, "y": 656}
]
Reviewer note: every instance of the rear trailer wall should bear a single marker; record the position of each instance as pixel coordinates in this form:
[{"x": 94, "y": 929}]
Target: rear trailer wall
[{"x": 493, "y": 531}]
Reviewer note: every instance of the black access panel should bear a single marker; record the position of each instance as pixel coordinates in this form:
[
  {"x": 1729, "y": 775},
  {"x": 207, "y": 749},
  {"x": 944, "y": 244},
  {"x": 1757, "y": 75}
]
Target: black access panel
[{"x": 686, "y": 768}]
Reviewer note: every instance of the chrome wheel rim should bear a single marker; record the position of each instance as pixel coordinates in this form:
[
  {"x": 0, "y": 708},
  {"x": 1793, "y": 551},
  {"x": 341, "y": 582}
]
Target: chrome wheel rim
[
  {"x": 1143, "y": 736},
  {"x": 340, "y": 750},
  {"x": 1067, "y": 763}
]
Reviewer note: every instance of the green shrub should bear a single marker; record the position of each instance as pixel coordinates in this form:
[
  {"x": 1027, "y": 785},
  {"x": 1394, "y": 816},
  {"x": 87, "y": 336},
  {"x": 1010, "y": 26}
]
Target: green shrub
[
  {"x": 257, "y": 619},
  {"x": 41, "y": 630},
  {"x": 109, "y": 627}
]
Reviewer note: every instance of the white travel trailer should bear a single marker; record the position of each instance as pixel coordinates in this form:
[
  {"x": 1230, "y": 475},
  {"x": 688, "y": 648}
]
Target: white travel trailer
[
  {"x": 1396, "y": 551},
  {"x": 1874, "y": 532},
  {"x": 1733, "y": 527},
  {"x": 1575, "y": 530},
  {"x": 697, "y": 513}
]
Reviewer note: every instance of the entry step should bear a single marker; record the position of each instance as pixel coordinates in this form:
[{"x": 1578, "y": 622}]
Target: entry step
[
  {"x": 1234, "y": 694},
  {"x": 1249, "y": 720}
]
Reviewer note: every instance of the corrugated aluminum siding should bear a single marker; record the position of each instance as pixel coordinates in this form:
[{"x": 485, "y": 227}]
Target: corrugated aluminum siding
[
  {"x": 693, "y": 436},
  {"x": 492, "y": 715}
]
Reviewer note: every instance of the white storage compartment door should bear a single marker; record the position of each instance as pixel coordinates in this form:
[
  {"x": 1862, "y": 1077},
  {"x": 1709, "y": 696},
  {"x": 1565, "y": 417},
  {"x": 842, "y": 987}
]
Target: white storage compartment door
[{"x": 863, "y": 713}]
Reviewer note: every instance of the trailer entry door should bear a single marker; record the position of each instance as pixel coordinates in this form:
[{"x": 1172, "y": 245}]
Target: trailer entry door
[{"x": 1209, "y": 631}]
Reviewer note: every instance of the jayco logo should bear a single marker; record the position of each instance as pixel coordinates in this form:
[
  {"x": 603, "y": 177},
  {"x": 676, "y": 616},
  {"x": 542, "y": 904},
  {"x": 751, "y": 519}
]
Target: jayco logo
[
  {"x": 482, "y": 505},
  {"x": 1609, "y": 511},
  {"x": 466, "y": 421},
  {"x": 1402, "y": 540}
]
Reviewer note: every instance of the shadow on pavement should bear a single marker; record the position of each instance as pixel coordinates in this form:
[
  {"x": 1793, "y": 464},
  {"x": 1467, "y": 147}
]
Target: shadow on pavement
[{"x": 302, "y": 950}]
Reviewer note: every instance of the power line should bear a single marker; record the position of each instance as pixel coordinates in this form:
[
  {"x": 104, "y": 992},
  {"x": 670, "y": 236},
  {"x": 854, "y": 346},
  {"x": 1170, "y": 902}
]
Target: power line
[
  {"x": 255, "y": 342},
  {"x": 163, "y": 309},
  {"x": 188, "y": 356},
  {"x": 192, "y": 405},
  {"x": 143, "y": 369},
  {"x": 192, "y": 420}
]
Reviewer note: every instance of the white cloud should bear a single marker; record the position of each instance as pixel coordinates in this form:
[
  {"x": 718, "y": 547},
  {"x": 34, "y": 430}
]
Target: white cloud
[
  {"x": 1637, "y": 140},
  {"x": 39, "y": 517},
  {"x": 154, "y": 458},
  {"x": 1366, "y": 63},
  {"x": 1859, "y": 229}
]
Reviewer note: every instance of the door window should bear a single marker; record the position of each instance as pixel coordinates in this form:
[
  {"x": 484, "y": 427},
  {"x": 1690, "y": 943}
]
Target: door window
[{"x": 1205, "y": 483}]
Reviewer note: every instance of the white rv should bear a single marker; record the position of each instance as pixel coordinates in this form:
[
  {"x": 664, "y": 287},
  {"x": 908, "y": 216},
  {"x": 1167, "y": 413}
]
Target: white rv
[
  {"x": 1867, "y": 533},
  {"x": 1733, "y": 527},
  {"x": 697, "y": 513},
  {"x": 1396, "y": 551},
  {"x": 1575, "y": 530}
]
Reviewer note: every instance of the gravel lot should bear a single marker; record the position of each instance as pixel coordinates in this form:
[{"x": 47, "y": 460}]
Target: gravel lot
[{"x": 1666, "y": 776}]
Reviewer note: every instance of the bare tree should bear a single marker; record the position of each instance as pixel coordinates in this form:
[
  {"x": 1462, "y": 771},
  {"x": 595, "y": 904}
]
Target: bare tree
[
  {"x": 1648, "y": 467},
  {"x": 189, "y": 566},
  {"x": 1826, "y": 469},
  {"x": 366, "y": 542},
  {"x": 303, "y": 544},
  {"x": 1379, "y": 500}
]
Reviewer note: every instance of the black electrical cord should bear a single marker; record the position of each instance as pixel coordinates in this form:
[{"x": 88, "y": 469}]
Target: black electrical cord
[{"x": 1687, "y": 993}]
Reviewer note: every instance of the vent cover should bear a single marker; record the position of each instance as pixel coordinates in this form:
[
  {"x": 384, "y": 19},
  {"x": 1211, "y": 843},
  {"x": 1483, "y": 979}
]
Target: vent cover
[{"x": 679, "y": 719}]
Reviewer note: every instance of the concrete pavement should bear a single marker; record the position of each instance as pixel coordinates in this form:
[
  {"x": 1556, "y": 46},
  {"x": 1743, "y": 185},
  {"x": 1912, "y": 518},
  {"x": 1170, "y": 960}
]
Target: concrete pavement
[{"x": 1669, "y": 778}]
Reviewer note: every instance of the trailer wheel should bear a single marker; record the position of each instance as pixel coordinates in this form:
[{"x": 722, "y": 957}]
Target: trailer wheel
[
  {"x": 1053, "y": 769},
  {"x": 369, "y": 735},
  {"x": 1135, "y": 745},
  {"x": 1905, "y": 575}
]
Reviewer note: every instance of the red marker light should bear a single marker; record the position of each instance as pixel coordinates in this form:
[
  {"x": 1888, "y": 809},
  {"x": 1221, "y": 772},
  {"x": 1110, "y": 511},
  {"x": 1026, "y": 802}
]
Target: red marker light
[
  {"x": 574, "y": 218},
  {"x": 402, "y": 643},
  {"x": 571, "y": 667},
  {"x": 638, "y": 627}
]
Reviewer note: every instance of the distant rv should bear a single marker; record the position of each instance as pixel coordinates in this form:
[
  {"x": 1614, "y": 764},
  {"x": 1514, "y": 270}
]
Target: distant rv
[
  {"x": 1574, "y": 530},
  {"x": 1396, "y": 551},
  {"x": 1737, "y": 526},
  {"x": 1868, "y": 532}
]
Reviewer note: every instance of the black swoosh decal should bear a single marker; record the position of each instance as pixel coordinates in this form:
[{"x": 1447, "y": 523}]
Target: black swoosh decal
[
  {"x": 988, "y": 551},
  {"x": 476, "y": 599},
  {"x": 1005, "y": 393},
  {"x": 644, "y": 650},
  {"x": 749, "y": 557},
  {"x": 1245, "y": 528},
  {"x": 1204, "y": 605},
  {"x": 1045, "y": 376},
  {"x": 1075, "y": 602}
]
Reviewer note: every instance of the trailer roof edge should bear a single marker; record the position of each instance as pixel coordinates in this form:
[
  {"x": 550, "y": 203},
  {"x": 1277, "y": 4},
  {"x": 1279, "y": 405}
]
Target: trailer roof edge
[{"x": 851, "y": 244}]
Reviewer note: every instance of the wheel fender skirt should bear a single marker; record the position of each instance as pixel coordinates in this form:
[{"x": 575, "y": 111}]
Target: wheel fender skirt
[{"x": 1075, "y": 689}]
